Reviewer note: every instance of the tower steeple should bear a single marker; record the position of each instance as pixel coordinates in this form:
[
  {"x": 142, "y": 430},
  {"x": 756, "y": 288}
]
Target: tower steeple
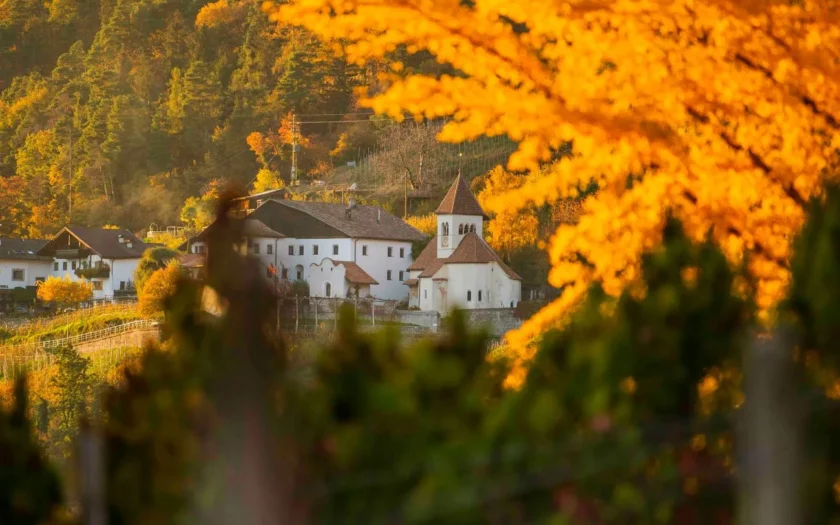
[{"x": 459, "y": 214}]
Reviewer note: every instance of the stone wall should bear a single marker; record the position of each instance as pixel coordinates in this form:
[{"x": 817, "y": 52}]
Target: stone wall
[
  {"x": 497, "y": 321},
  {"x": 430, "y": 320}
]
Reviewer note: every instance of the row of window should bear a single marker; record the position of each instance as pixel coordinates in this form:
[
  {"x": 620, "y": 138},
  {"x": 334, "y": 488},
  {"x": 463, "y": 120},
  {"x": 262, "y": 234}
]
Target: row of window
[
  {"x": 389, "y": 274},
  {"x": 469, "y": 294},
  {"x": 462, "y": 229},
  {"x": 315, "y": 250},
  {"x": 73, "y": 265}
]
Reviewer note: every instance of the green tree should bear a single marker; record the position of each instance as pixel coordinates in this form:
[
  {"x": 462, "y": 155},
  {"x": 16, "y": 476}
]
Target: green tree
[
  {"x": 74, "y": 385},
  {"x": 30, "y": 493},
  {"x": 153, "y": 259}
]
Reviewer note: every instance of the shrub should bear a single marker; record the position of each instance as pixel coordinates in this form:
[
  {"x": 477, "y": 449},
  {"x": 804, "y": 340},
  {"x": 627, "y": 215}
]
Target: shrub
[{"x": 63, "y": 290}]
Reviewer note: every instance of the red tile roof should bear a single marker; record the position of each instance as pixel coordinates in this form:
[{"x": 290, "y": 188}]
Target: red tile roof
[
  {"x": 354, "y": 273},
  {"x": 471, "y": 250},
  {"x": 459, "y": 200}
]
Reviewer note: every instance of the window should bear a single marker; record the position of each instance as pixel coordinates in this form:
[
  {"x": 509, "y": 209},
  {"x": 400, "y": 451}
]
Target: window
[
  {"x": 364, "y": 250},
  {"x": 64, "y": 266},
  {"x": 401, "y": 276},
  {"x": 256, "y": 248},
  {"x": 479, "y": 296},
  {"x": 269, "y": 249},
  {"x": 460, "y": 229},
  {"x": 335, "y": 249},
  {"x": 122, "y": 285},
  {"x": 472, "y": 228},
  {"x": 97, "y": 286},
  {"x": 291, "y": 250},
  {"x": 315, "y": 250},
  {"x": 328, "y": 290},
  {"x": 300, "y": 250},
  {"x": 402, "y": 253},
  {"x": 259, "y": 202},
  {"x": 390, "y": 252},
  {"x": 18, "y": 274},
  {"x": 469, "y": 295},
  {"x": 285, "y": 273},
  {"x": 444, "y": 229},
  {"x": 389, "y": 275},
  {"x": 39, "y": 280},
  {"x": 55, "y": 267},
  {"x": 300, "y": 273}
]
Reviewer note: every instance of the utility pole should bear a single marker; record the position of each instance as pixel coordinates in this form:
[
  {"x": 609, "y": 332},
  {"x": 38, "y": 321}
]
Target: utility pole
[
  {"x": 294, "y": 149},
  {"x": 420, "y": 171},
  {"x": 70, "y": 177}
]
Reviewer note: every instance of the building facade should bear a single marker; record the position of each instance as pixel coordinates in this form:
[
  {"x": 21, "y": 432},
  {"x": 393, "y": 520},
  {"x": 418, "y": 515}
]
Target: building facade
[
  {"x": 296, "y": 240},
  {"x": 103, "y": 257},
  {"x": 458, "y": 269}
]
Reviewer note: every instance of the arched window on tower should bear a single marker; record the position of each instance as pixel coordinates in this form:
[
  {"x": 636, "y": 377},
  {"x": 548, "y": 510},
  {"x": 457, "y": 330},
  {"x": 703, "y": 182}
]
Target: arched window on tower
[
  {"x": 472, "y": 228},
  {"x": 460, "y": 229},
  {"x": 444, "y": 229}
]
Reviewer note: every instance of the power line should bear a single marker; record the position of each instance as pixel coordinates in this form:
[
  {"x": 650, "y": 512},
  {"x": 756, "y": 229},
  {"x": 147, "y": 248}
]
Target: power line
[{"x": 334, "y": 114}]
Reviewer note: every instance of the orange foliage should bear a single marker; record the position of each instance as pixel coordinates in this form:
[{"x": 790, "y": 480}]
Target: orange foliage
[
  {"x": 725, "y": 113},
  {"x": 219, "y": 13},
  {"x": 63, "y": 290},
  {"x": 426, "y": 224}
]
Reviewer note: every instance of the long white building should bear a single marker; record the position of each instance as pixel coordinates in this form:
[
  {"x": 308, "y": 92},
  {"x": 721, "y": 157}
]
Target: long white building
[
  {"x": 340, "y": 250},
  {"x": 458, "y": 268}
]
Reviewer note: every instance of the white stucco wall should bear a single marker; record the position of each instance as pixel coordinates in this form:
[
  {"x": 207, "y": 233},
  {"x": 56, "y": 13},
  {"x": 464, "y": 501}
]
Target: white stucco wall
[
  {"x": 327, "y": 272},
  {"x": 374, "y": 260},
  {"x": 121, "y": 270},
  {"x": 377, "y": 263},
  {"x": 31, "y": 271},
  {"x": 444, "y": 249},
  {"x": 465, "y": 281}
]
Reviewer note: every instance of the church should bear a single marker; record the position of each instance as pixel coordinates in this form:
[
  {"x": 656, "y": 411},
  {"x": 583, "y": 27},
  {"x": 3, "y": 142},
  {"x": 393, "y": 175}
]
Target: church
[{"x": 458, "y": 269}]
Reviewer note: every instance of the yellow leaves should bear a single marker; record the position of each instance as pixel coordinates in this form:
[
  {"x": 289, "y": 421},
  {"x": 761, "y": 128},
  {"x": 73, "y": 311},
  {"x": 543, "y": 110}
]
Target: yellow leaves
[
  {"x": 426, "y": 224},
  {"x": 63, "y": 290},
  {"x": 719, "y": 113},
  {"x": 218, "y": 13}
]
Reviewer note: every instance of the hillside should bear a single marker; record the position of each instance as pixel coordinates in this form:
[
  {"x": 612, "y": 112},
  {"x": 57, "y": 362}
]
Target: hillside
[{"x": 115, "y": 111}]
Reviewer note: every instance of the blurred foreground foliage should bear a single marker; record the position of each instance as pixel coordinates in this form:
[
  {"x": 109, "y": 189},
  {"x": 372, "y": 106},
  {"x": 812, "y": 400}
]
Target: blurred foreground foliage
[{"x": 626, "y": 416}]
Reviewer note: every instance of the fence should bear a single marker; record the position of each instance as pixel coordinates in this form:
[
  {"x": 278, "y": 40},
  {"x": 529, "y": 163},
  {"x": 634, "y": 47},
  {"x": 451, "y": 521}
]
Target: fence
[{"x": 44, "y": 322}]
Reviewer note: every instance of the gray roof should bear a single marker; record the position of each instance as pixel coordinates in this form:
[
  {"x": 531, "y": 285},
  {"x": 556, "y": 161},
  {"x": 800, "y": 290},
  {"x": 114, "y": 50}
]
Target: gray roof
[
  {"x": 104, "y": 242},
  {"x": 21, "y": 249},
  {"x": 364, "y": 222}
]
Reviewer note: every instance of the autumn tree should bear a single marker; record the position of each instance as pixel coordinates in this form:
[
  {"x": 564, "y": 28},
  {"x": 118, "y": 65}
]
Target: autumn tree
[
  {"x": 159, "y": 286},
  {"x": 199, "y": 212},
  {"x": 267, "y": 180},
  {"x": 153, "y": 259},
  {"x": 64, "y": 291},
  {"x": 724, "y": 114}
]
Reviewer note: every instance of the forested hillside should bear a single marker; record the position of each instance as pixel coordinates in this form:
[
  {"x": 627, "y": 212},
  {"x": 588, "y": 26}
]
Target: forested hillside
[{"x": 116, "y": 111}]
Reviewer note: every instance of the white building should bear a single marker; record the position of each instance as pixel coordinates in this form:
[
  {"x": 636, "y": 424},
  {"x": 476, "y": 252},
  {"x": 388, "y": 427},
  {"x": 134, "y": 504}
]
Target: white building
[
  {"x": 458, "y": 268},
  {"x": 21, "y": 268},
  {"x": 295, "y": 240},
  {"x": 105, "y": 258}
]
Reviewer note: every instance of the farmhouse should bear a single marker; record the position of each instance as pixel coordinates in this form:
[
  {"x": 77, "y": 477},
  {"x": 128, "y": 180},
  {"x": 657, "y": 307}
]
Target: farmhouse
[
  {"x": 104, "y": 257},
  {"x": 340, "y": 250}
]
